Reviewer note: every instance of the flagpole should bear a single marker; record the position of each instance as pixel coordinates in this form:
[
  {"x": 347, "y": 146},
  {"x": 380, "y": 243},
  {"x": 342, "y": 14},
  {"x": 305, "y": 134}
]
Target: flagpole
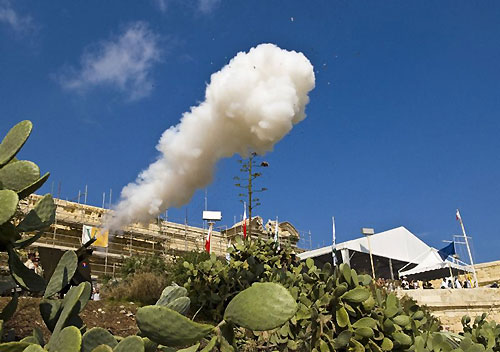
[
  {"x": 334, "y": 245},
  {"x": 468, "y": 248}
]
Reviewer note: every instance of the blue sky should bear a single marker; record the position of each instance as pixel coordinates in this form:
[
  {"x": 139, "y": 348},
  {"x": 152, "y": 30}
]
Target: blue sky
[{"x": 402, "y": 126}]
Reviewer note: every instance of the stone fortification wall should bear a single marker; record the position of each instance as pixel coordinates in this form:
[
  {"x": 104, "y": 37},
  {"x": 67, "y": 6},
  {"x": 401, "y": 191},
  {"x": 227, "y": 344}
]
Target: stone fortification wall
[
  {"x": 451, "y": 304},
  {"x": 488, "y": 273}
]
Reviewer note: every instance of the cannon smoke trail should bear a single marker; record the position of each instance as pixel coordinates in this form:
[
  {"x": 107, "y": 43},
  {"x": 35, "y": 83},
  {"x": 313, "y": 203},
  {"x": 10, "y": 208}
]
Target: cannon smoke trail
[{"x": 250, "y": 105}]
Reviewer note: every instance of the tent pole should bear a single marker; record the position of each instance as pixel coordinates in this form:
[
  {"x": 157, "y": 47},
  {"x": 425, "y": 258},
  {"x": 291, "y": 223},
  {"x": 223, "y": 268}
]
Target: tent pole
[
  {"x": 452, "y": 278},
  {"x": 390, "y": 267}
]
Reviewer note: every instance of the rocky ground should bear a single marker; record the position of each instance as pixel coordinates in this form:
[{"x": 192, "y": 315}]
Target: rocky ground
[{"x": 117, "y": 317}]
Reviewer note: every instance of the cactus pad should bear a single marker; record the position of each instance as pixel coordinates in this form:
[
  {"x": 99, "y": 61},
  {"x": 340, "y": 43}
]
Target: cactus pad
[
  {"x": 171, "y": 293},
  {"x": 33, "y": 187},
  {"x": 19, "y": 175},
  {"x": 167, "y": 327},
  {"x": 263, "y": 306},
  {"x": 180, "y": 305},
  {"x": 68, "y": 340},
  {"x": 41, "y": 216},
  {"x": 9, "y": 310},
  {"x": 130, "y": 344},
  {"x": 8, "y": 204},
  {"x": 34, "y": 348},
  {"x": 14, "y": 140},
  {"x": 13, "y": 346},
  {"x": 63, "y": 273},
  {"x": 96, "y": 337},
  {"x": 102, "y": 348}
]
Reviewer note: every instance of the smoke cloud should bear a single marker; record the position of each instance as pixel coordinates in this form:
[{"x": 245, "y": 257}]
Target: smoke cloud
[{"x": 250, "y": 105}]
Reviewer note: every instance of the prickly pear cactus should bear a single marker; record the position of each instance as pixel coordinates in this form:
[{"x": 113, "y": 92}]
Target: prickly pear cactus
[{"x": 18, "y": 179}]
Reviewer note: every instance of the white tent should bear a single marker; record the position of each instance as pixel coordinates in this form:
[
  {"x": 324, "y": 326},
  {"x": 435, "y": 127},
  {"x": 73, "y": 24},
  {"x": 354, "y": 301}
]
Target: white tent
[
  {"x": 391, "y": 251},
  {"x": 432, "y": 266},
  {"x": 398, "y": 244}
]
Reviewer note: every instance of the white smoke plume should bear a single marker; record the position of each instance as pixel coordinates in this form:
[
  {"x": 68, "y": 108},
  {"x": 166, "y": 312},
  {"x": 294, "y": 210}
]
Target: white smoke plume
[{"x": 250, "y": 104}]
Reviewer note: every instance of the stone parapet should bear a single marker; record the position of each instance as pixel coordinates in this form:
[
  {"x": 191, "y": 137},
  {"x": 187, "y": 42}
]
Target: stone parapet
[{"x": 449, "y": 305}]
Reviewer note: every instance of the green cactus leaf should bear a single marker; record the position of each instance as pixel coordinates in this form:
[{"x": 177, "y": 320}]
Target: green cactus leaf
[
  {"x": 8, "y": 204},
  {"x": 210, "y": 345},
  {"x": 24, "y": 277},
  {"x": 171, "y": 293},
  {"x": 193, "y": 348},
  {"x": 364, "y": 332},
  {"x": 19, "y": 175},
  {"x": 391, "y": 311},
  {"x": 34, "y": 348},
  {"x": 263, "y": 306},
  {"x": 402, "y": 338},
  {"x": 365, "y": 322},
  {"x": 167, "y": 327},
  {"x": 149, "y": 346},
  {"x": 68, "y": 340},
  {"x": 323, "y": 346},
  {"x": 102, "y": 348},
  {"x": 342, "y": 317},
  {"x": 180, "y": 305},
  {"x": 402, "y": 320},
  {"x": 25, "y": 242},
  {"x": 356, "y": 295},
  {"x": 41, "y": 216},
  {"x": 38, "y": 335},
  {"x": 26, "y": 191},
  {"x": 342, "y": 340},
  {"x": 357, "y": 346},
  {"x": 14, "y": 140},
  {"x": 63, "y": 273},
  {"x": 50, "y": 309},
  {"x": 369, "y": 303},
  {"x": 387, "y": 344},
  {"x": 354, "y": 277},
  {"x": 340, "y": 290},
  {"x": 130, "y": 344},
  {"x": 85, "y": 296},
  {"x": 8, "y": 234},
  {"x": 70, "y": 301},
  {"x": 97, "y": 337},
  {"x": 373, "y": 346},
  {"x": 391, "y": 300},
  {"x": 418, "y": 315},
  {"x": 346, "y": 272},
  {"x": 13, "y": 346},
  {"x": 9, "y": 310},
  {"x": 388, "y": 326},
  {"x": 365, "y": 279}
]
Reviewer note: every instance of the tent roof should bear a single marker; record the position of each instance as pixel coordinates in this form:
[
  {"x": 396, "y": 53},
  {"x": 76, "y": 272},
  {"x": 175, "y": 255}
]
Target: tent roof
[
  {"x": 432, "y": 262},
  {"x": 398, "y": 243}
]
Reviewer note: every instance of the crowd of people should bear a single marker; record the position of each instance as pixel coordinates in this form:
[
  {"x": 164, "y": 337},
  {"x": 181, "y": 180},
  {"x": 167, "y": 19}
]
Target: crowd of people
[{"x": 405, "y": 284}]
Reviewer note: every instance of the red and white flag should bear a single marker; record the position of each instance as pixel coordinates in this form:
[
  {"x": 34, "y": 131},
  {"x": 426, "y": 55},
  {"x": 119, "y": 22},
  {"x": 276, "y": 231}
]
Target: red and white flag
[
  {"x": 208, "y": 246},
  {"x": 459, "y": 218},
  {"x": 244, "y": 220}
]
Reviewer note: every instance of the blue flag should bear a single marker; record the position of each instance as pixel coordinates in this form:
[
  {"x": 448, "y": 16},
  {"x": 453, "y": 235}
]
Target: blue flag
[{"x": 447, "y": 251}]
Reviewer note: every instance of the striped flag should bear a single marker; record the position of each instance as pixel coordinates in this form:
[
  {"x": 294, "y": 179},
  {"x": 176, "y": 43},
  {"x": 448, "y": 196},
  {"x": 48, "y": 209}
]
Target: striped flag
[
  {"x": 334, "y": 245},
  {"x": 208, "y": 246}
]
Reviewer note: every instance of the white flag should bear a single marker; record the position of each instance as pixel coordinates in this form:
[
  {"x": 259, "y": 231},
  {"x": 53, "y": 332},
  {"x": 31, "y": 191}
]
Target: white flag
[{"x": 459, "y": 218}]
